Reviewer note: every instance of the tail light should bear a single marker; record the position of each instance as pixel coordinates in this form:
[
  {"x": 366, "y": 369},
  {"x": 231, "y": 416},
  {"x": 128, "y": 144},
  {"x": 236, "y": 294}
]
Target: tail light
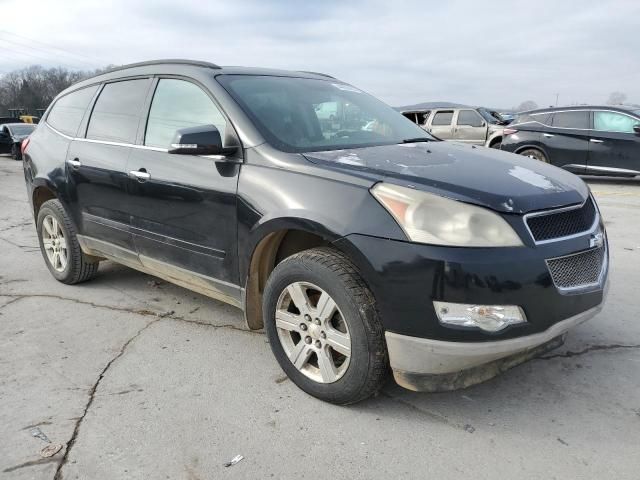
[
  {"x": 509, "y": 131},
  {"x": 24, "y": 145}
]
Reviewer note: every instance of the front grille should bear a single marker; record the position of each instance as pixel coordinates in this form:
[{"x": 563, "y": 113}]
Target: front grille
[
  {"x": 577, "y": 270},
  {"x": 562, "y": 224}
]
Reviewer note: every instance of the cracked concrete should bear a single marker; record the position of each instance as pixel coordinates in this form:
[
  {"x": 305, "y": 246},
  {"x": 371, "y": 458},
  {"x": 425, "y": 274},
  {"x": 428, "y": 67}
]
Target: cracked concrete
[{"x": 142, "y": 379}]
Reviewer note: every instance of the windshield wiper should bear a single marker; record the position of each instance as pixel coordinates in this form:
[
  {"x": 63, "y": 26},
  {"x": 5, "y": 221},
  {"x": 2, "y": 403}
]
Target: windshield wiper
[{"x": 417, "y": 139}]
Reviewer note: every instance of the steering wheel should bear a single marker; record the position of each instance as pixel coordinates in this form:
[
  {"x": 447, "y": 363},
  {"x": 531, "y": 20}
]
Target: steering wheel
[{"x": 343, "y": 134}]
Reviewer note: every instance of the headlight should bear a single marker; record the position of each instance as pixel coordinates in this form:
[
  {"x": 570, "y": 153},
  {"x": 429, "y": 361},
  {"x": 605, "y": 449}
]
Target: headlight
[{"x": 429, "y": 218}]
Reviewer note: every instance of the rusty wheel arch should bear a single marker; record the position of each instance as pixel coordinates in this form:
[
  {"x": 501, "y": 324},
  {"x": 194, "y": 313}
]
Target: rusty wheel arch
[{"x": 270, "y": 251}]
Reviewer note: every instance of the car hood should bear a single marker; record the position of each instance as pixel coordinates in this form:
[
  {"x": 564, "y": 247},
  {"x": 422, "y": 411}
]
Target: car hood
[{"x": 492, "y": 178}]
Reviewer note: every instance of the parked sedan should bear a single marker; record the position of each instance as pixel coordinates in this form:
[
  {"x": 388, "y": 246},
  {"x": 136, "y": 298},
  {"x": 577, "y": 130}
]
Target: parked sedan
[
  {"x": 359, "y": 247},
  {"x": 11, "y": 137},
  {"x": 588, "y": 140}
]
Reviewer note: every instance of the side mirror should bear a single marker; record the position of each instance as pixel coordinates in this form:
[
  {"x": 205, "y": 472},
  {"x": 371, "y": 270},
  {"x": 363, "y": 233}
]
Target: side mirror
[
  {"x": 200, "y": 140},
  {"x": 636, "y": 128}
]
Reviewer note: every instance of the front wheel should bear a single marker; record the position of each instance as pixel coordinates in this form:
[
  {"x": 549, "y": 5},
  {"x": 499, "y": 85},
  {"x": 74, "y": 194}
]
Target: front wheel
[
  {"x": 535, "y": 154},
  {"x": 323, "y": 327}
]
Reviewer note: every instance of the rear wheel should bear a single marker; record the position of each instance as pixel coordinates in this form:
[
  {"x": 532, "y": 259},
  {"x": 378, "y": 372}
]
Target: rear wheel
[
  {"x": 497, "y": 144},
  {"x": 59, "y": 245},
  {"x": 535, "y": 154},
  {"x": 323, "y": 327}
]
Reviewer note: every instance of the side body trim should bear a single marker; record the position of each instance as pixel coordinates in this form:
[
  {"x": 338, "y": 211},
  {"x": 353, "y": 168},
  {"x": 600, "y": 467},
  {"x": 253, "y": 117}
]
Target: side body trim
[{"x": 211, "y": 287}]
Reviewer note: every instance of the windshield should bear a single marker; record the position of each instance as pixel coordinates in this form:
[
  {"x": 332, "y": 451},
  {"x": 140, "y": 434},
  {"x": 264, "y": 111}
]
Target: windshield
[
  {"x": 303, "y": 115},
  {"x": 22, "y": 129},
  {"x": 491, "y": 117}
]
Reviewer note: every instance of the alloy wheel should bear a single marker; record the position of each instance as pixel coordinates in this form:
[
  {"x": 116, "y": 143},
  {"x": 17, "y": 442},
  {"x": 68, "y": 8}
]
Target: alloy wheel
[
  {"x": 313, "y": 332},
  {"x": 55, "y": 244}
]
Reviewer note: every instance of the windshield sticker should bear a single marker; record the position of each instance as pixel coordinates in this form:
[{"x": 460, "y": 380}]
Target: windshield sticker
[{"x": 346, "y": 88}]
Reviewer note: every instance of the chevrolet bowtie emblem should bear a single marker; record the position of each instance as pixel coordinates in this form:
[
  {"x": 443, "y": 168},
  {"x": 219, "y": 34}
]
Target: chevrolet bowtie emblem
[{"x": 596, "y": 240}]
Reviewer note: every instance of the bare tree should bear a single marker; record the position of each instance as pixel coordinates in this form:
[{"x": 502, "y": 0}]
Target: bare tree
[
  {"x": 34, "y": 87},
  {"x": 617, "y": 98},
  {"x": 527, "y": 105}
]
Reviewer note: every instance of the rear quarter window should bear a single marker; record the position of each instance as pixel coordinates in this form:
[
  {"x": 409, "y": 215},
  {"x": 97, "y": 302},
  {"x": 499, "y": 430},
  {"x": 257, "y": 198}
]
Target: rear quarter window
[
  {"x": 116, "y": 114},
  {"x": 442, "y": 118},
  {"x": 578, "y": 119},
  {"x": 66, "y": 114}
]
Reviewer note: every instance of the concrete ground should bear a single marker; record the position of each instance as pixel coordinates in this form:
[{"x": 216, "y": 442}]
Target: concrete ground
[{"x": 144, "y": 380}]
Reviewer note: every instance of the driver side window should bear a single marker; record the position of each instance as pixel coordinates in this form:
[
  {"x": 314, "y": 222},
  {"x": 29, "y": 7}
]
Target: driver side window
[{"x": 179, "y": 104}]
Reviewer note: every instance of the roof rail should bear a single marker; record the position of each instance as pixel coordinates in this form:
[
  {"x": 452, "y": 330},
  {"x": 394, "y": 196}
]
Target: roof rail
[
  {"x": 317, "y": 73},
  {"x": 173, "y": 61}
]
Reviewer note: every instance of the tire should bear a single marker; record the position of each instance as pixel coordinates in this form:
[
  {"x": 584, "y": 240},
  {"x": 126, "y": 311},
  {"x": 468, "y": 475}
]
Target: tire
[
  {"x": 15, "y": 152},
  {"x": 535, "y": 154},
  {"x": 59, "y": 245},
  {"x": 324, "y": 271},
  {"x": 497, "y": 145}
]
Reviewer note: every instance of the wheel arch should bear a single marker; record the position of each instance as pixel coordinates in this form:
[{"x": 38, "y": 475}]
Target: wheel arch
[
  {"x": 494, "y": 140},
  {"x": 41, "y": 193},
  {"x": 531, "y": 147},
  {"x": 271, "y": 243}
]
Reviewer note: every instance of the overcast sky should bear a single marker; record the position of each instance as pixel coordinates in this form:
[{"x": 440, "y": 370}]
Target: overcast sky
[{"x": 492, "y": 53}]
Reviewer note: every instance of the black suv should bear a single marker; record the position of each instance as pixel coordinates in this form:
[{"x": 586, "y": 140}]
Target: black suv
[
  {"x": 587, "y": 140},
  {"x": 358, "y": 243},
  {"x": 11, "y": 137}
]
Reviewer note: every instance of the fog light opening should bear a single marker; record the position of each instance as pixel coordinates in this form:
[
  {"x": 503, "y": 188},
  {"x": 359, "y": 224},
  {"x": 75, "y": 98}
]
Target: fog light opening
[{"x": 490, "y": 318}]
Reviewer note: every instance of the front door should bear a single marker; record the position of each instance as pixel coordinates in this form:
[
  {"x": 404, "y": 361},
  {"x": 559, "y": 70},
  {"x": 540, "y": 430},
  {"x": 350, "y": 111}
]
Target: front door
[
  {"x": 97, "y": 168},
  {"x": 183, "y": 207},
  {"x": 470, "y": 128},
  {"x": 614, "y": 146}
]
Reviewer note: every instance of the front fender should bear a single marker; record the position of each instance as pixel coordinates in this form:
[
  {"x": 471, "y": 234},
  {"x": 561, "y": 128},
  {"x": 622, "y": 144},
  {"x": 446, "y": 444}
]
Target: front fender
[{"x": 272, "y": 200}]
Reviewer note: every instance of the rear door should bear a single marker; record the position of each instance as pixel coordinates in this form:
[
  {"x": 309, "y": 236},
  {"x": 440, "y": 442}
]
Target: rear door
[
  {"x": 614, "y": 147},
  {"x": 470, "y": 127},
  {"x": 184, "y": 209},
  {"x": 567, "y": 140},
  {"x": 441, "y": 124},
  {"x": 97, "y": 167}
]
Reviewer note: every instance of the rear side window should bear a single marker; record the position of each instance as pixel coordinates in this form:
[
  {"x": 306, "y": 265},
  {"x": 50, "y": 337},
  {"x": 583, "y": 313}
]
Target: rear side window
[
  {"x": 614, "y": 122},
  {"x": 66, "y": 114},
  {"x": 179, "y": 104},
  {"x": 577, "y": 119},
  {"x": 442, "y": 118},
  {"x": 116, "y": 113},
  {"x": 469, "y": 118}
]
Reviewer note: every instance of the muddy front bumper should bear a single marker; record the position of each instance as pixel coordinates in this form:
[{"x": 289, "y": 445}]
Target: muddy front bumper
[{"x": 421, "y": 364}]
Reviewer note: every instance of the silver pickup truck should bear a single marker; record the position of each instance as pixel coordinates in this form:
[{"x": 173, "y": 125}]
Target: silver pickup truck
[{"x": 477, "y": 126}]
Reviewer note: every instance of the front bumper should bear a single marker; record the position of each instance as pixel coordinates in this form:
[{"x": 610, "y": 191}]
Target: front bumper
[{"x": 422, "y": 364}]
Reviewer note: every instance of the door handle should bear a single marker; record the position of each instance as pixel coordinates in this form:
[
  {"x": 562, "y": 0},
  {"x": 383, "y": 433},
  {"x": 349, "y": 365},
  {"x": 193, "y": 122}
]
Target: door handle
[
  {"x": 594, "y": 140},
  {"x": 141, "y": 175},
  {"x": 75, "y": 163},
  {"x": 548, "y": 135}
]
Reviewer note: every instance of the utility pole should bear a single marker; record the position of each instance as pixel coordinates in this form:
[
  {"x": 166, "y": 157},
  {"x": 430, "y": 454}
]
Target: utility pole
[{"x": 557, "y": 96}]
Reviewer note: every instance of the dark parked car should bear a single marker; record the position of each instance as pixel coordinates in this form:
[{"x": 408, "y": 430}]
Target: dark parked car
[
  {"x": 11, "y": 137},
  {"x": 587, "y": 140},
  {"x": 357, "y": 248}
]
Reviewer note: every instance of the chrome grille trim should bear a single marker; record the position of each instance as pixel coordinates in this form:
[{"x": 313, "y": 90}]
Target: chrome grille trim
[
  {"x": 579, "y": 271},
  {"x": 592, "y": 229}
]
